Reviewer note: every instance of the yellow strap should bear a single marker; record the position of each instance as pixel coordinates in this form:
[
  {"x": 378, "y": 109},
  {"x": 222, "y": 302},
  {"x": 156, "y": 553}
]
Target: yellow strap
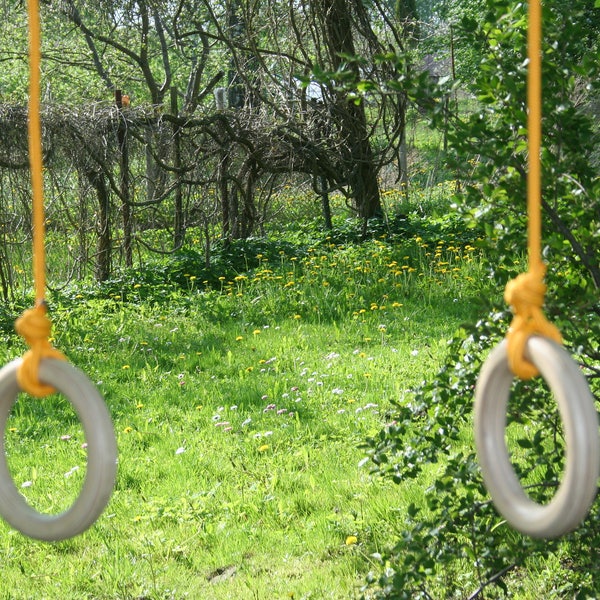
[
  {"x": 34, "y": 324},
  {"x": 525, "y": 294}
]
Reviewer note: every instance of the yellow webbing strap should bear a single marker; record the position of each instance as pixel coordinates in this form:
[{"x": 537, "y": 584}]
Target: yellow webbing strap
[
  {"x": 34, "y": 325},
  {"x": 525, "y": 294}
]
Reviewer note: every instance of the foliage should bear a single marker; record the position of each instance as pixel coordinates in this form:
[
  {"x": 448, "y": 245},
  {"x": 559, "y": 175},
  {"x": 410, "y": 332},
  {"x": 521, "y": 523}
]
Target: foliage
[{"x": 452, "y": 543}]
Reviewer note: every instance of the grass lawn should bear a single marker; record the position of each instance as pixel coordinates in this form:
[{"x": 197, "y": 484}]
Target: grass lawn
[{"x": 239, "y": 415}]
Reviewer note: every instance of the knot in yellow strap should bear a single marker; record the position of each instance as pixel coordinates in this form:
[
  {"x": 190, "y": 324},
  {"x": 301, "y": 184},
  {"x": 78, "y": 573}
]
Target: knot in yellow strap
[
  {"x": 35, "y": 327},
  {"x": 525, "y": 294}
]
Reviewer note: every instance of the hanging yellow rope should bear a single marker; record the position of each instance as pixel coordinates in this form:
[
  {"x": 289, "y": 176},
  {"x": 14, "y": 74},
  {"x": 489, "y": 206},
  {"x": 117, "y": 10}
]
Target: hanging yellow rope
[
  {"x": 34, "y": 325},
  {"x": 525, "y": 294}
]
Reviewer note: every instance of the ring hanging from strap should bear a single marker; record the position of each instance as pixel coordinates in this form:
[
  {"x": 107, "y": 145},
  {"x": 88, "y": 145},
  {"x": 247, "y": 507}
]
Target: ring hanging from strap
[
  {"x": 101, "y": 460},
  {"x": 578, "y": 487}
]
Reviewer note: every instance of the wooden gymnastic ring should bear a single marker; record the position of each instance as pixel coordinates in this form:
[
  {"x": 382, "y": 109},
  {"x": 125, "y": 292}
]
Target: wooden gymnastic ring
[
  {"x": 101, "y": 454},
  {"x": 578, "y": 486}
]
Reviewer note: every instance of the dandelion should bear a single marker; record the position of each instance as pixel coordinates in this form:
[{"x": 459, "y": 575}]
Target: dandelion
[
  {"x": 128, "y": 429},
  {"x": 239, "y": 338},
  {"x": 249, "y": 369},
  {"x": 263, "y": 448},
  {"x": 125, "y": 367},
  {"x": 351, "y": 540},
  {"x": 256, "y": 332}
]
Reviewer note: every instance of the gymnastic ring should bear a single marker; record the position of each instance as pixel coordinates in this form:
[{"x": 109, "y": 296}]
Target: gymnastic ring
[
  {"x": 101, "y": 459},
  {"x": 578, "y": 487}
]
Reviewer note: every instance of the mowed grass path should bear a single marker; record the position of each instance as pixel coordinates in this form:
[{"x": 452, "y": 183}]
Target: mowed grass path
[{"x": 239, "y": 415}]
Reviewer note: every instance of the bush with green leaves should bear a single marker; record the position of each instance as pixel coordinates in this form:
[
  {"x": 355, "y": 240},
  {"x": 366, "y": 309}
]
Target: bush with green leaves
[{"x": 453, "y": 543}]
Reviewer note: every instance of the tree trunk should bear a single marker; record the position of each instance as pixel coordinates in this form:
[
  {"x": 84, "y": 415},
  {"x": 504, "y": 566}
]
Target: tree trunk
[
  {"x": 179, "y": 224},
  {"x": 102, "y": 268},
  {"x": 350, "y": 117},
  {"x": 124, "y": 184}
]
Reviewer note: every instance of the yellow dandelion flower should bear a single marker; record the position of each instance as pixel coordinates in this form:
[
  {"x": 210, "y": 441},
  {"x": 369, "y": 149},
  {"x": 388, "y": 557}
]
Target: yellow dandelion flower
[
  {"x": 351, "y": 540},
  {"x": 239, "y": 338},
  {"x": 263, "y": 448}
]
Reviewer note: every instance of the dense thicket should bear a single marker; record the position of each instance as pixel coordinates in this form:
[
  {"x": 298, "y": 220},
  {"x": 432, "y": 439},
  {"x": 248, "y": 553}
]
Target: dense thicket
[{"x": 189, "y": 114}]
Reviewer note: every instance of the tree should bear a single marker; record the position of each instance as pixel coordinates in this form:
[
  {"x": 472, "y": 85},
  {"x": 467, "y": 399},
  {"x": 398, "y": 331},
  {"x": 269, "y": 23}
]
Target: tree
[
  {"x": 454, "y": 543},
  {"x": 334, "y": 18}
]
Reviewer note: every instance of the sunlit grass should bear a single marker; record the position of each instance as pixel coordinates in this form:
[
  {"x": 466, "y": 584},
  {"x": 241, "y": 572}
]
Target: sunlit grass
[{"x": 239, "y": 409}]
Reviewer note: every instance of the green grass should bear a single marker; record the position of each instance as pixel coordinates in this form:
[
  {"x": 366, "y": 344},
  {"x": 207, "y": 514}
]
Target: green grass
[{"x": 239, "y": 414}]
